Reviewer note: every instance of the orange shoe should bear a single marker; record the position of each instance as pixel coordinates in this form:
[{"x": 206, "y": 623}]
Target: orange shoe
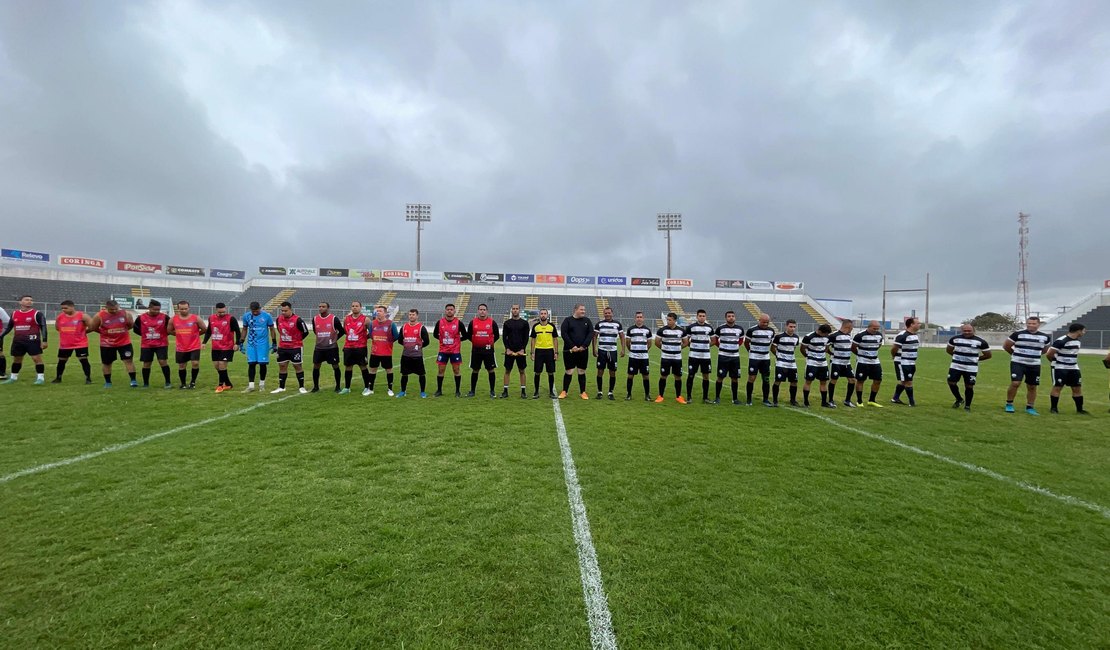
[
  {"x": 584, "y": 396},
  {"x": 680, "y": 399},
  {"x": 659, "y": 400},
  {"x": 221, "y": 388},
  {"x": 562, "y": 394}
]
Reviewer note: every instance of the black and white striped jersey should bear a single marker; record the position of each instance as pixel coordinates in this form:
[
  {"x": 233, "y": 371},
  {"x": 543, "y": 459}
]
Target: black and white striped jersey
[
  {"x": 608, "y": 335},
  {"x": 639, "y": 341},
  {"x": 729, "y": 340},
  {"x": 867, "y": 347},
  {"x": 1029, "y": 347},
  {"x": 815, "y": 345},
  {"x": 1067, "y": 353},
  {"x": 759, "y": 342},
  {"x": 701, "y": 336},
  {"x": 841, "y": 348},
  {"x": 908, "y": 347},
  {"x": 786, "y": 346},
  {"x": 965, "y": 352},
  {"x": 671, "y": 342}
]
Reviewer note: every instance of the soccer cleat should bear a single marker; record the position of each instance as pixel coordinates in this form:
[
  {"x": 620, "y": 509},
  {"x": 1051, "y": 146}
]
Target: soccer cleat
[
  {"x": 56, "y": 380},
  {"x": 1009, "y": 408},
  {"x": 168, "y": 386},
  {"x": 523, "y": 393},
  {"x": 736, "y": 402},
  {"x": 275, "y": 391},
  {"x": 192, "y": 386},
  {"x": 770, "y": 404},
  {"x": 389, "y": 392},
  {"x": 828, "y": 405},
  {"x": 344, "y": 391},
  {"x": 366, "y": 392},
  {"x": 146, "y": 386},
  {"x": 220, "y": 388},
  {"x": 1054, "y": 411},
  {"x": 680, "y": 399},
  {"x": 968, "y": 409},
  {"x": 795, "y": 403},
  {"x": 1031, "y": 411},
  {"x": 536, "y": 395},
  {"x": 585, "y": 395},
  {"x": 438, "y": 393},
  {"x": 302, "y": 390},
  {"x": 249, "y": 389},
  {"x": 659, "y": 400},
  {"x": 599, "y": 396},
  {"x": 470, "y": 393},
  {"x": 1082, "y": 412},
  {"x": 261, "y": 385},
  {"x": 458, "y": 394},
  {"x": 611, "y": 398},
  {"x": 134, "y": 384},
  {"x": 423, "y": 395},
  {"x": 748, "y": 403},
  {"x": 107, "y": 384},
  {"x": 552, "y": 395},
  {"x": 88, "y": 381},
  {"x": 562, "y": 394},
  {"x": 40, "y": 381},
  {"x": 504, "y": 393},
  {"x": 647, "y": 398},
  {"x": 875, "y": 405},
  {"x": 9, "y": 380},
  {"x": 315, "y": 389},
  {"x": 401, "y": 394},
  {"x": 339, "y": 388},
  {"x": 182, "y": 387},
  {"x": 628, "y": 398},
  {"x": 715, "y": 402},
  {"x": 957, "y": 404},
  {"x": 849, "y": 405},
  {"x": 899, "y": 402}
]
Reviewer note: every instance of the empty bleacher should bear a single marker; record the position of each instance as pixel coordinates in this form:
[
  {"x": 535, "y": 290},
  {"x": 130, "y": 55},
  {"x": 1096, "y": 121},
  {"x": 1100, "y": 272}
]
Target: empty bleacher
[
  {"x": 90, "y": 296},
  {"x": 1097, "y": 322}
]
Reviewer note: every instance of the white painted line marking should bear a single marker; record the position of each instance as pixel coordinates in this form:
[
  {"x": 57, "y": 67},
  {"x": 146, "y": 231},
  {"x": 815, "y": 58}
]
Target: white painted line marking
[
  {"x": 138, "y": 441},
  {"x": 1068, "y": 499},
  {"x": 597, "y": 606}
]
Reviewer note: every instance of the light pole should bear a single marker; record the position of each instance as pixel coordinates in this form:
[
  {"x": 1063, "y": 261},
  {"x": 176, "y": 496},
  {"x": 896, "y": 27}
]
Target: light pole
[
  {"x": 667, "y": 222},
  {"x": 421, "y": 213}
]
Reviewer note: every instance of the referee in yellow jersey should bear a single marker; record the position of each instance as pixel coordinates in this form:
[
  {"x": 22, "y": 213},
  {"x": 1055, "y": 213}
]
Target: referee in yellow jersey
[{"x": 544, "y": 353}]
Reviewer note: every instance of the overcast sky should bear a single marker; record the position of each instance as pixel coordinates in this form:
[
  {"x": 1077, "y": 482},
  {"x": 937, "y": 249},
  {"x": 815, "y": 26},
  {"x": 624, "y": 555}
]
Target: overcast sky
[{"x": 828, "y": 142}]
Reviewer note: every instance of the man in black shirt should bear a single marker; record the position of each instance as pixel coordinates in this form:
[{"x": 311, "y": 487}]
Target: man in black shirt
[
  {"x": 514, "y": 335},
  {"x": 577, "y": 333}
]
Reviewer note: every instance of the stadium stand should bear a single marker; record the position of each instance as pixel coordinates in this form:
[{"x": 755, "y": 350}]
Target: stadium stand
[
  {"x": 90, "y": 296},
  {"x": 1097, "y": 322}
]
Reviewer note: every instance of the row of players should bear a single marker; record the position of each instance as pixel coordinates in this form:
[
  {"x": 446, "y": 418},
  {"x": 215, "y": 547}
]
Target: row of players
[{"x": 369, "y": 345}]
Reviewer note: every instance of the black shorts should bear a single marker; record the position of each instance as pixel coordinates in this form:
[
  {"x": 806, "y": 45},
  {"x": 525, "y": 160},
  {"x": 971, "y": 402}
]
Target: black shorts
[
  {"x": 786, "y": 374},
  {"x": 21, "y": 348},
  {"x": 606, "y": 360},
  {"x": 326, "y": 355},
  {"x": 872, "y": 371},
  {"x": 481, "y": 357},
  {"x": 545, "y": 360},
  {"x": 954, "y": 376},
  {"x": 759, "y": 366},
  {"x": 840, "y": 370},
  {"x": 1031, "y": 374},
  {"x": 1066, "y": 377},
  {"x": 639, "y": 366},
  {"x": 443, "y": 358},
  {"x": 285, "y": 355},
  {"x": 704, "y": 366},
  {"x": 80, "y": 353},
  {"x": 905, "y": 371},
  {"x": 123, "y": 352},
  {"x": 412, "y": 365},
  {"x": 381, "y": 361},
  {"x": 186, "y": 357},
  {"x": 147, "y": 355},
  {"x": 576, "y": 360},
  {"x": 515, "y": 360},
  {"x": 728, "y": 367},
  {"x": 670, "y": 367},
  {"x": 820, "y": 373},
  {"x": 223, "y": 355},
  {"x": 354, "y": 356}
]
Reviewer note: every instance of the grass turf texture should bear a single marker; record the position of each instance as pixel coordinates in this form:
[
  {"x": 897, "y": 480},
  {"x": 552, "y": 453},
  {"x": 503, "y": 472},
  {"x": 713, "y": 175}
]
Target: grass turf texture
[{"x": 325, "y": 520}]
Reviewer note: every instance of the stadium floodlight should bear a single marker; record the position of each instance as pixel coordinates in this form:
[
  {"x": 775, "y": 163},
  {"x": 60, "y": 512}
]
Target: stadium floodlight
[
  {"x": 667, "y": 222},
  {"x": 421, "y": 213}
]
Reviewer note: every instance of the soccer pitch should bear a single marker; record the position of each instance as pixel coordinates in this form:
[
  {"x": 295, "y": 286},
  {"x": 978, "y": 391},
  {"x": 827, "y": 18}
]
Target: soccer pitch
[{"x": 341, "y": 521}]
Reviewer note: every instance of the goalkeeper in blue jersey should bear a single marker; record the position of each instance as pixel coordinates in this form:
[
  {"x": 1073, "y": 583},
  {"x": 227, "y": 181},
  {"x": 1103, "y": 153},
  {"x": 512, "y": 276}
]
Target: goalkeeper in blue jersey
[{"x": 256, "y": 323}]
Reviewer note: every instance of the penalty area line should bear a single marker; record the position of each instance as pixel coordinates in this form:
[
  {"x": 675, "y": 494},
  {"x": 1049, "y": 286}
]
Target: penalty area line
[
  {"x": 593, "y": 592},
  {"x": 971, "y": 467},
  {"x": 38, "y": 469}
]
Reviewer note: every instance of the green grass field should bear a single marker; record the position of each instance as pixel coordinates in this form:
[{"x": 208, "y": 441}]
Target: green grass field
[{"x": 342, "y": 521}]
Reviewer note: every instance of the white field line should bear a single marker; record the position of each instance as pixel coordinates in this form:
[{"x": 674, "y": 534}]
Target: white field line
[
  {"x": 138, "y": 441},
  {"x": 597, "y": 606},
  {"x": 1068, "y": 499}
]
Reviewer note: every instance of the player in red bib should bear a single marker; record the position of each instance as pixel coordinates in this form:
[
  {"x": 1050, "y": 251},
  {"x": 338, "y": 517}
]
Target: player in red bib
[
  {"x": 223, "y": 330},
  {"x": 450, "y": 332},
  {"x": 383, "y": 333},
  {"x": 291, "y": 332},
  {"x": 114, "y": 326},
  {"x": 187, "y": 329},
  {"x": 28, "y": 327},
  {"x": 483, "y": 333},
  {"x": 356, "y": 328},
  {"x": 73, "y": 339},
  {"x": 414, "y": 338},
  {"x": 153, "y": 328},
  {"x": 327, "y": 329}
]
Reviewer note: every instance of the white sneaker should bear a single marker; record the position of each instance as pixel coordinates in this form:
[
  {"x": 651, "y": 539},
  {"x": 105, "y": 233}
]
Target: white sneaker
[
  {"x": 261, "y": 385},
  {"x": 302, "y": 390},
  {"x": 367, "y": 391},
  {"x": 248, "y": 389},
  {"x": 389, "y": 392},
  {"x": 277, "y": 390}
]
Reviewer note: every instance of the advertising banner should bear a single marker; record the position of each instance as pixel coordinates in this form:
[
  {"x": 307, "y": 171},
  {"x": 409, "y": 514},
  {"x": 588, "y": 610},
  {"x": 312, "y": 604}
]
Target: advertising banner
[
  {"x": 490, "y": 278},
  {"x": 788, "y": 286},
  {"x": 332, "y": 272},
  {"x": 520, "y": 277},
  {"x": 165, "y": 301},
  {"x": 193, "y": 271},
  {"x": 550, "y": 279},
  {"x": 1106, "y": 284},
  {"x": 301, "y": 270},
  {"x": 125, "y": 302},
  {"x": 24, "y": 256},
  {"x": 760, "y": 285},
  {"x": 227, "y": 274},
  {"x": 395, "y": 274},
  {"x": 612, "y": 280},
  {"x": 367, "y": 275},
  {"x": 271, "y": 270},
  {"x": 679, "y": 282},
  {"x": 428, "y": 276},
  {"x": 84, "y": 262},
  {"x": 645, "y": 282},
  {"x": 459, "y": 277},
  {"x": 138, "y": 267},
  {"x": 729, "y": 284},
  {"x": 581, "y": 280}
]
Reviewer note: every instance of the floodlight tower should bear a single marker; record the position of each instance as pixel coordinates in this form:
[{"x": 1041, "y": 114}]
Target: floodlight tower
[
  {"x": 668, "y": 222},
  {"x": 421, "y": 213},
  {"x": 1021, "y": 309}
]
